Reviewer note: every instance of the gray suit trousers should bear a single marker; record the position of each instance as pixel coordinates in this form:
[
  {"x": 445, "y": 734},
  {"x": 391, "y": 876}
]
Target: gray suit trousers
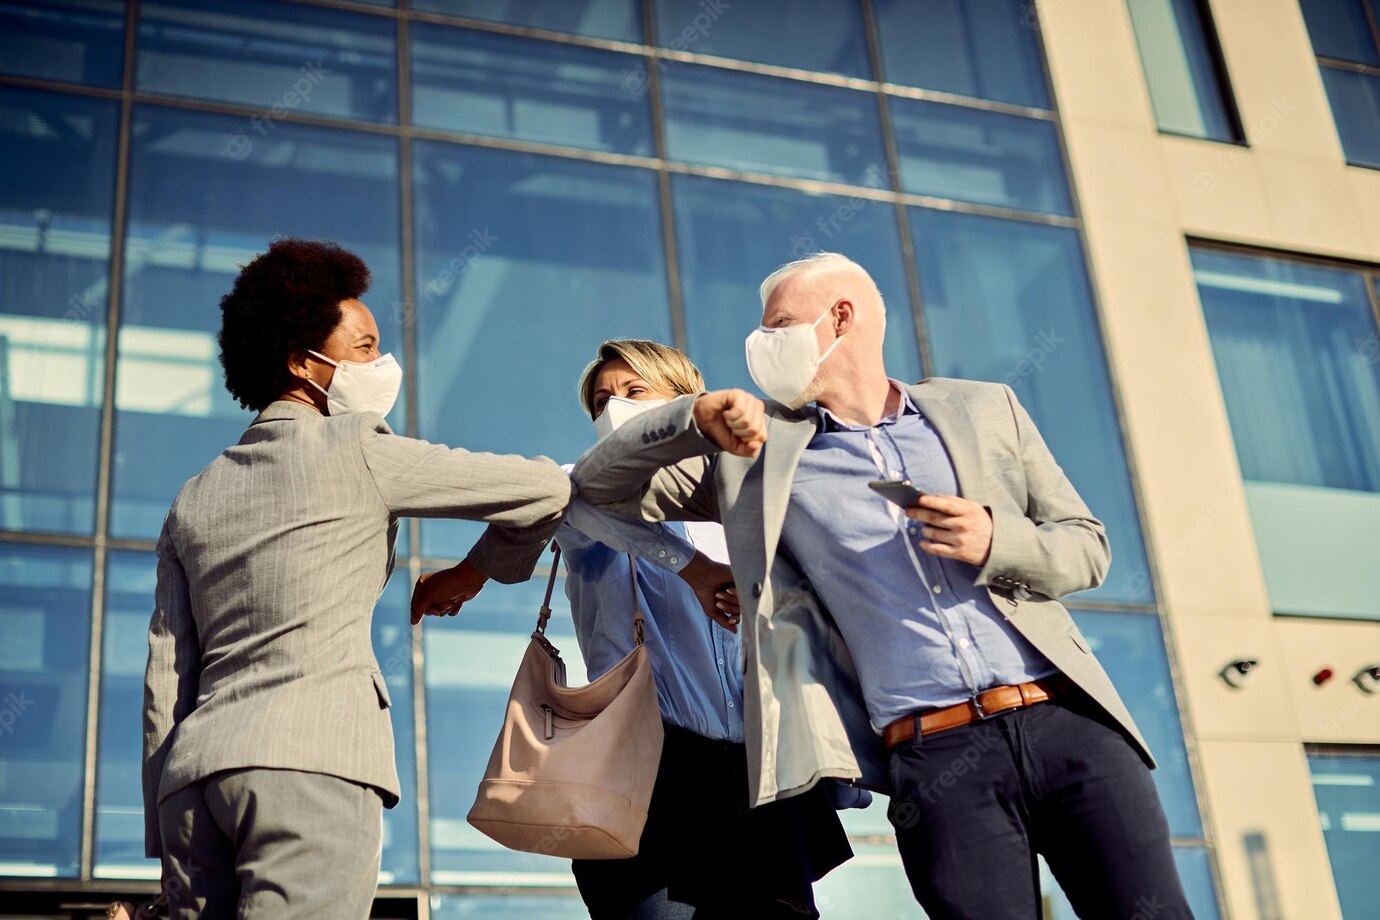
[{"x": 257, "y": 844}]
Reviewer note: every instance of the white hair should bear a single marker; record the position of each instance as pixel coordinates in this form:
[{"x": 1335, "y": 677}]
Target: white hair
[{"x": 814, "y": 262}]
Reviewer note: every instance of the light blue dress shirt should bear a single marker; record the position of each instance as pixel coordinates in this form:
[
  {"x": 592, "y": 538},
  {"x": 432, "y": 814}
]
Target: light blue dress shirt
[
  {"x": 697, "y": 664},
  {"x": 920, "y": 632}
]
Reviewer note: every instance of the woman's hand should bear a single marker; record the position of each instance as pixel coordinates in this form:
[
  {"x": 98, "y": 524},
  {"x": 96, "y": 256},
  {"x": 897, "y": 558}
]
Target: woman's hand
[
  {"x": 443, "y": 593},
  {"x": 712, "y": 583}
]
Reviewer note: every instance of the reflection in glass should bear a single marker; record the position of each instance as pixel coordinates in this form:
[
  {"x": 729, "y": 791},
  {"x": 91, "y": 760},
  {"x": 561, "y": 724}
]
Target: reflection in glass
[
  {"x": 278, "y": 57},
  {"x": 1130, "y": 647},
  {"x": 1348, "y": 791},
  {"x": 195, "y": 216},
  {"x": 823, "y": 35},
  {"x": 75, "y": 41},
  {"x": 525, "y": 263},
  {"x": 1194, "y": 872},
  {"x": 1010, "y": 302},
  {"x": 57, "y": 164},
  {"x": 752, "y": 122},
  {"x": 617, "y": 19},
  {"x": 951, "y": 151},
  {"x": 394, "y": 640},
  {"x": 1355, "y": 100},
  {"x": 503, "y": 86},
  {"x": 470, "y": 664},
  {"x": 1178, "y": 50},
  {"x": 987, "y": 49},
  {"x": 45, "y": 619},
  {"x": 1339, "y": 30},
  {"x": 1296, "y": 348},
  {"x": 731, "y": 235}
]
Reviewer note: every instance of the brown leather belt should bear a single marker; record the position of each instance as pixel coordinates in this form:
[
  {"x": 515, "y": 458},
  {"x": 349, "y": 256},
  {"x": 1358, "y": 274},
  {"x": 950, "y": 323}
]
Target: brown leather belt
[{"x": 988, "y": 703}]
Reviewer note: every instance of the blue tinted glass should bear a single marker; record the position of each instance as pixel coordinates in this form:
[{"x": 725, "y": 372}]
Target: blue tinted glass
[
  {"x": 499, "y": 85},
  {"x": 57, "y": 165},
  {"x": 1179, "y": 58},
  {"x": 731, "y": 235},
  {"x": 204, "y": 199},
  {"x": 1130, "y": 647},
  {"x": 770, "y": 124},
  {"x": 1194, "y": 872},
  {"x": 277, "y": 57},
  {"x": 45, "y": 618},
  {"x": 508, "y": 907},
  {"x": 525, "y": 264},
  {"x": 1355, "y": 99},
  {"x": 1010, "y": 301},
  {"x": 988, "y": 49},
  {"x": 394, "y": 640},
  {"x": 619, "y": 19},
  {"x": 130, "y": 581},
  {"x": 950, "y": 151},
  {"x": 1291, "y": 344},
  {"x": 1348, "y": 793},
  {"x": 870, "y": 886},
  {"x": 76, "y": 41},
  {"x": 1339, "y": 30},
  {"x": 825, "y": 35},
  {"x": 471, "y": 661}
]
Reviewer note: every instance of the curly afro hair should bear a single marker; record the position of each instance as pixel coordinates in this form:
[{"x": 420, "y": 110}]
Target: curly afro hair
[{"x": 288, "y": 297}]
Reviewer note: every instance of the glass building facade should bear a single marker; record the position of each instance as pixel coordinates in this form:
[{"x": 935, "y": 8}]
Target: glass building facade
[{"x": 525, "y": 180}]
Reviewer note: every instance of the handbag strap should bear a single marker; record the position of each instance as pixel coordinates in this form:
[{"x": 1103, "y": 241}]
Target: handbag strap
[{"x": 544, "y": 616}]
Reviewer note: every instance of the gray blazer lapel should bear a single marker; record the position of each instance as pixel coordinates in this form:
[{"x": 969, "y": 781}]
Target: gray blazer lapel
[
  {"x": 787, "y": 439},
  {"x": 948, "y": 413}
]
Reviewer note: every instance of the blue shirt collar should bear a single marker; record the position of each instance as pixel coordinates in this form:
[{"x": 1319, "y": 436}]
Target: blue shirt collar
[{"x": 827, "y": 421}]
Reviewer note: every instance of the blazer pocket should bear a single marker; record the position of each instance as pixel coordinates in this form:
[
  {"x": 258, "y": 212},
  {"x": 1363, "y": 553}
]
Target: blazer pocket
[
  {"x": 381, "y": 688},
  {"x": 1079, "y": 641}
]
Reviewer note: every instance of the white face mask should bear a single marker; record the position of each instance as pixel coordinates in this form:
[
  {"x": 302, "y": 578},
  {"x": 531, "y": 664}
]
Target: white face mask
[
  {"x": 361, "y": 386},
  {"x": 619, "y": 410},
  {"x": 783, "y": 361}
]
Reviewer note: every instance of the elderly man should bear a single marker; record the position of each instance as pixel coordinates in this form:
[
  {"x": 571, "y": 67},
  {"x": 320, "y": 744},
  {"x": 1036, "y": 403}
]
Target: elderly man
[{"x": 1003, "y": 736}]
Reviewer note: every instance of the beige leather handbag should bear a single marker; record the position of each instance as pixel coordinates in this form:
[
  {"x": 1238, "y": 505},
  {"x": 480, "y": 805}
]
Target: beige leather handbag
[{"x": 572, "y": 772}]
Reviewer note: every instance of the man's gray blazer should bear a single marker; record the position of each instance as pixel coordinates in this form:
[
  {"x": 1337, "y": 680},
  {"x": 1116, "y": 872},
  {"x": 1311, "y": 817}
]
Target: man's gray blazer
[
  {"x": 269, "y": 565},
  {"x": 804, "y": 714}
]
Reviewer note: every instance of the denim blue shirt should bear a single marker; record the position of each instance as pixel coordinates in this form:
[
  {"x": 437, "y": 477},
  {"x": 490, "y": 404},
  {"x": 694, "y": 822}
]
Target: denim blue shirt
[
  {"x": 697, "y": 664},
  {"x": 920, "y": 632}
]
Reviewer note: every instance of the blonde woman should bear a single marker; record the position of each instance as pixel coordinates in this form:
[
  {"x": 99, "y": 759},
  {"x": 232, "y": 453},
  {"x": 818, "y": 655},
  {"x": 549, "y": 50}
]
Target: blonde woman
[{"x": 699, "y": 830}]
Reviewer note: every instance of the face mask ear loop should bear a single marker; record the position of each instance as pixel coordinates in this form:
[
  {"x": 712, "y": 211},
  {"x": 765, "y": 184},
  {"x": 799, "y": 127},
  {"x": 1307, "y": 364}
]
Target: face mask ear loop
[{"x": 838, "y": 338}]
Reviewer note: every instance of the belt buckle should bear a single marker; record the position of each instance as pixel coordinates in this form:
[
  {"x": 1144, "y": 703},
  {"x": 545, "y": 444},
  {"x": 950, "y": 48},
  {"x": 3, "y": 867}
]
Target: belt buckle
[{"x": 983, "y": 715}]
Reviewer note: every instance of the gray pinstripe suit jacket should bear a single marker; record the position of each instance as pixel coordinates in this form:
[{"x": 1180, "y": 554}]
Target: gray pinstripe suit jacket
[
  {"x": 269, "y": 565},
  {"x": 803, "y": 712}
]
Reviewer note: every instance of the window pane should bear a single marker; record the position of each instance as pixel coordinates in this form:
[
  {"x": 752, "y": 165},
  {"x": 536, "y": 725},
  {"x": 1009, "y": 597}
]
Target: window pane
[
  {"x": 1010, "y": 301},
  {"x": 525, "y": 264},
  {"x": 949, "y": 151},
  {"x": 280, "y": 57},
  {"x": 1339, "y": 30},
  {"x": 731, "y": 236},
  {"x": 1179, "y": 54},
  {"x": 394, "y": 640},
  {"x": 1348, "y": 793},
  {"x": 771, "y": 124},
  {"x": 825, "y": 35},
  {"x": 45, "y": 617},
  {"x": 987, "y": 49},
  {"x": 1289, "y": 342},
  {"x": 470, "y": 665},
  {"x": 508, "y": 906},
  {"x": 196, "y": 214},
  {"x": 1194, "y": 872},
  {"x": 76, "y": 41},
  {"x": 57, "y": 165},
  {"x": 499, "y": 85},
  {"x": 1131, "y": 649},
  {"x": 130, "y": 581},
  {"x": 617, "y": 19},
  {"x": 1355, "y": 99}
]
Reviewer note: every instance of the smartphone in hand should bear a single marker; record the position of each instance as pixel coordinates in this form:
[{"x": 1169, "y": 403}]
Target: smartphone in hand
[{"x": 903, "y": 493}]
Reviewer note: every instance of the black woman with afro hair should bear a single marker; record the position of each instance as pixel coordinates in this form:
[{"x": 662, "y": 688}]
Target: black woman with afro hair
[{"x": 268, "y": 749}]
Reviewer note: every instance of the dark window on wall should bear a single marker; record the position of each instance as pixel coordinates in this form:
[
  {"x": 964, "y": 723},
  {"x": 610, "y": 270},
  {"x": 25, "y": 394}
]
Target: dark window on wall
[
  {"x": 1346, "y": 39},
  {"x": 1184, "y": 70}
]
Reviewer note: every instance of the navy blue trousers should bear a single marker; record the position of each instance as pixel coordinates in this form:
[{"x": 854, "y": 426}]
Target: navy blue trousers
[{"x": 975, "y": 804}]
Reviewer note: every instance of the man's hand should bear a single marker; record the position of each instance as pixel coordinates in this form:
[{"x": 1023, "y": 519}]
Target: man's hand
[
  {"x": 735, "y": 420},
  {"x": 442, "y": 593},
  {"x": 713, "y": 585},
  {"x": 955, "y": 528}
]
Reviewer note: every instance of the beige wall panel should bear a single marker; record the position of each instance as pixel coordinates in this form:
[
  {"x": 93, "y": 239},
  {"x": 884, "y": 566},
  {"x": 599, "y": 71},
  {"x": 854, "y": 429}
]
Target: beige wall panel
[
  {"x": 1262, "y": 709},
  {"x": 1338, "y": 710},
  {"x": 1094, "y": 62},
  {"x": 1216, "y": 190},
  {"x": 1312, "y": 205},
  {"x": 1119, "y": 173},
  {"x": 1270, "y": 847}
]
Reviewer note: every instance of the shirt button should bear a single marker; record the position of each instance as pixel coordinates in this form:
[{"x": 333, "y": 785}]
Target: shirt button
[
  {"x": 721, "y": 661},
  {"x": 674, "y": 560},
  {"x": 938, "y": 589},
  {"x": 661, "y": 553},
  {"x": 730, "y": 705},
  {"x": 913, "y": 530},
  {"x": 963, "y": 642}
]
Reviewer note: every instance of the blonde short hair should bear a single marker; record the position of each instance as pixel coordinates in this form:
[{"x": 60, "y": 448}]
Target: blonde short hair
[{"x": 662, "y": 366}]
